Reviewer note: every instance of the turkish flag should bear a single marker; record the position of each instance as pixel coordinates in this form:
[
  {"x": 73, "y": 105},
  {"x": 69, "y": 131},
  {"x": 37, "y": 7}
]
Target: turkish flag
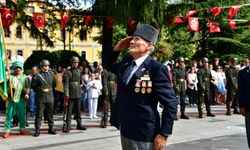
[
  {"x": 189, "y": 14},
  {"x": 8, "y": 17},
  {"x": 233, "y": 10},
  {"x": 193, "y": 23},
  {"x": 39, "y": 20},
  {"x": 232, "y": 23},
  {"x": 131, "y": 24},
  {"x": 177, "y": 19},
  {"x": 87, "y": 19},
  {"x": 213, "y": 27},
  {"x": 64, "y": 20},
  {"x": 216, "y": 11},
  {"x": 110, "y": 22}
]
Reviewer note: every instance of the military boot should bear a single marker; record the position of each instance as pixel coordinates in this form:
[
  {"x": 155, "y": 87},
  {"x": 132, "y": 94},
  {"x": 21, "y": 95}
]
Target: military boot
[
  {"x": 81, "y": 127},
  {"x": 104, "y": 121},
  {"x": 200, "y": 114},
  {"x": 228, "y": 112},
  {"x": 51, "y": 130},
  {"x": 209, "y": 114},
  {"x": 236, "y": 111},
  {"x": 67, "y": 129},
  {"x": 183, "y": 116},
  {"x": 37, "y": 132}
]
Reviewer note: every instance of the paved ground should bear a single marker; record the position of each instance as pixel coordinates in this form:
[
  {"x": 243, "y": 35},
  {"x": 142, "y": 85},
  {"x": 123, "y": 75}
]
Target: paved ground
[{"x": 219, "y": 133}]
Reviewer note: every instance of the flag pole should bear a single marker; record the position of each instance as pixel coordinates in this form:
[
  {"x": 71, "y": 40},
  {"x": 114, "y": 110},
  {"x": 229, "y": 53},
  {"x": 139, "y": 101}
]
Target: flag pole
[{"x": 6, "y": 57}]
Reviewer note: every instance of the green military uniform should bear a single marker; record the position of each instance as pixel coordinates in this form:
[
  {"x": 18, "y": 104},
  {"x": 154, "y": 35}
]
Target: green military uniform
[
  {"x": 204, "y": 81},
  {"x": 109, "y": 81},
  {"x": 179, "y": 83},
  {"x": 72, "y": 90},
  {"x": 231, "y": 86},
  {"x": 43, "y": 84}
]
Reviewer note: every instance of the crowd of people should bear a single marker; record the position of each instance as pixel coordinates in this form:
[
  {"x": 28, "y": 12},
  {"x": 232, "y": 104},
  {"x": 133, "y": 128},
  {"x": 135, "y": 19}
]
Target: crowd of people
[
  {"x": 132, "y": 88},
  {"x": 199, "y": 83},
  {"x": 68, "y": 91}
]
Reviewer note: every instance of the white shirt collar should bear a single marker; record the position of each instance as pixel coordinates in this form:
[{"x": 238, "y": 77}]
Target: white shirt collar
[{"x": 140, "y": 60}]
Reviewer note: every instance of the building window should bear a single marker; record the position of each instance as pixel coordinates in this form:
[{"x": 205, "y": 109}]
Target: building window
[
  {"x": 31, "y": 9},
  {"x": 20, "y": 52},
  {"x": 43, "y": 9},
  {"x": 19, "y": 32},
  {"x": 83, "y": 53},
  {"x": 7, "y": 33},
  {"x": 9, "y": 53}
]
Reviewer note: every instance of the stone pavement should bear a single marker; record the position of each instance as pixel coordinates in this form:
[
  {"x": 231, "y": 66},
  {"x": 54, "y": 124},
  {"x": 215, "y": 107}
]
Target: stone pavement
[{"x": 96, "y": 138}]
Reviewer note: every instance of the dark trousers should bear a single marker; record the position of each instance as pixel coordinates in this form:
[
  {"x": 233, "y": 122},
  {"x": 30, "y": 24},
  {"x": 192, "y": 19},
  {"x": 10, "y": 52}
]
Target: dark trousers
[
  {"x": 212, "y": 92},
  {"x": 182, "y": 96},
  {"x": 204, "y": 97},
  {"x": 40, "y": 112},
  {"x": 192, "y": 96},
  {"x": 231, "y": 99},
  {"x": 74, "y": 105},
  {"x": 247, "y": 120},
  {"x": 59, "y": 102}
]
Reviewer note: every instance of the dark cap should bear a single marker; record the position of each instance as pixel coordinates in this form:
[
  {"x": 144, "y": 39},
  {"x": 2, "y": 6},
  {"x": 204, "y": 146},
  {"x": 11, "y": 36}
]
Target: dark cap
[{"x": 147, "y": 32}]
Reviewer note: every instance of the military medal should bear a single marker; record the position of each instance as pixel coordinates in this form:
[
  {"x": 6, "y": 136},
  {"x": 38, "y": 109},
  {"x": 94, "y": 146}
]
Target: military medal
[
  {"x": 137, "y": 86},
  {"x": 144, "y": 85},
  {"x": 149, "y": 88}
]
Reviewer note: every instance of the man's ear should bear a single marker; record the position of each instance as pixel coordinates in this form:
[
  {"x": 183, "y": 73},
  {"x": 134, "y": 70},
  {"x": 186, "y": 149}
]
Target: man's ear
[{"x": 149, "y": 46}]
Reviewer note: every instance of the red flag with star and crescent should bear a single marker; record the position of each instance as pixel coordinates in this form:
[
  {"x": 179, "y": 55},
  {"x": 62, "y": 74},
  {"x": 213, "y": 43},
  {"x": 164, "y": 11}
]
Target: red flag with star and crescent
[
  {"x": 233, "y": 10},
  {"x": 216, "y": 11},
  {"x": 193, "y": 24},
  {"x": 232, "y": 23},
  {"x": 64, "y": 20},
  {"x": 213, "y": 27},
  {"x": 8, "y": 17},
  {"x": 189, "y": 14},
  {"x": 39, "y": 20}
]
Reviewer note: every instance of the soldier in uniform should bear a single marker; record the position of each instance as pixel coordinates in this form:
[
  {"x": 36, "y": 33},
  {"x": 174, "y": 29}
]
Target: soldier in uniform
[
  {"x": 179, "y": 82},
  {"x": 204, "y": 81},
  {"x": 72, "y": 90},
  {"x": 43, "y": 84},
  {"x": 109, "y": 93},
  {"x": 232, "y": 86}
]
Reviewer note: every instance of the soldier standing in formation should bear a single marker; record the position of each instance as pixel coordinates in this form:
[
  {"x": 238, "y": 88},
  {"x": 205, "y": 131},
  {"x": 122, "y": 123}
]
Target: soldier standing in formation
[
  {"x": 204, "y": 81},
  {"x": 109, "y": 93},
  {"x": 43, "y": 84},
  {"x": 179, "y": 82},
  {"x": 232, "y": 86},
  {"x": 72, "y": 90}
]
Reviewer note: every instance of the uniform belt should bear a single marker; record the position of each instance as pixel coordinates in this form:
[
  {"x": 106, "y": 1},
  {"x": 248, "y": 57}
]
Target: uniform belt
[
  {"x": 181, "y": 80},
  {"x": 46, "y": 90},
  {"x": 112, "y": 82},
  {"x": 205, "y": 79},
  {"x": 74, "y": 83}
]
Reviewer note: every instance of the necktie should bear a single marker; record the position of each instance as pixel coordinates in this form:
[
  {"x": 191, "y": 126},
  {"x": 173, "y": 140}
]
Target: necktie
[{"x": 128, "y": 71}]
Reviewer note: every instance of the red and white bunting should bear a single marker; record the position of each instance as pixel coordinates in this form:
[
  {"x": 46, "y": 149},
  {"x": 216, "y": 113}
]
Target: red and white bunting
[
  {"x": 232, "y": 23},
  {"x": 193, "y": 24},
  {"x": 233, "y": 10}
]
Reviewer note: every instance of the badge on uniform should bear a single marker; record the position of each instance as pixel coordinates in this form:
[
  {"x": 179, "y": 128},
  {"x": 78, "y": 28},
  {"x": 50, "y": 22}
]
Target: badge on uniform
[
  {"x": 144, "y": 85},
  {"x": 137, "y": 86}
]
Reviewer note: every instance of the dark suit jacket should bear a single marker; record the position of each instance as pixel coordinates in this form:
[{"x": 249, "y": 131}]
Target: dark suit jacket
[
  {"x": 243, "y": 88},
  {"x": 135, "y": 114}
]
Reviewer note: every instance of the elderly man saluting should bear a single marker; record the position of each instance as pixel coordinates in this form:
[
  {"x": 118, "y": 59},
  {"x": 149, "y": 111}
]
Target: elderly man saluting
[{"x": 142, "y": 83}]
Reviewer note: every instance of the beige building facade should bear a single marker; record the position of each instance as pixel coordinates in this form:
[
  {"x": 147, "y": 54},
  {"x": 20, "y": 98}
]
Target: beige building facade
[{"x": 19, "y": 41}]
